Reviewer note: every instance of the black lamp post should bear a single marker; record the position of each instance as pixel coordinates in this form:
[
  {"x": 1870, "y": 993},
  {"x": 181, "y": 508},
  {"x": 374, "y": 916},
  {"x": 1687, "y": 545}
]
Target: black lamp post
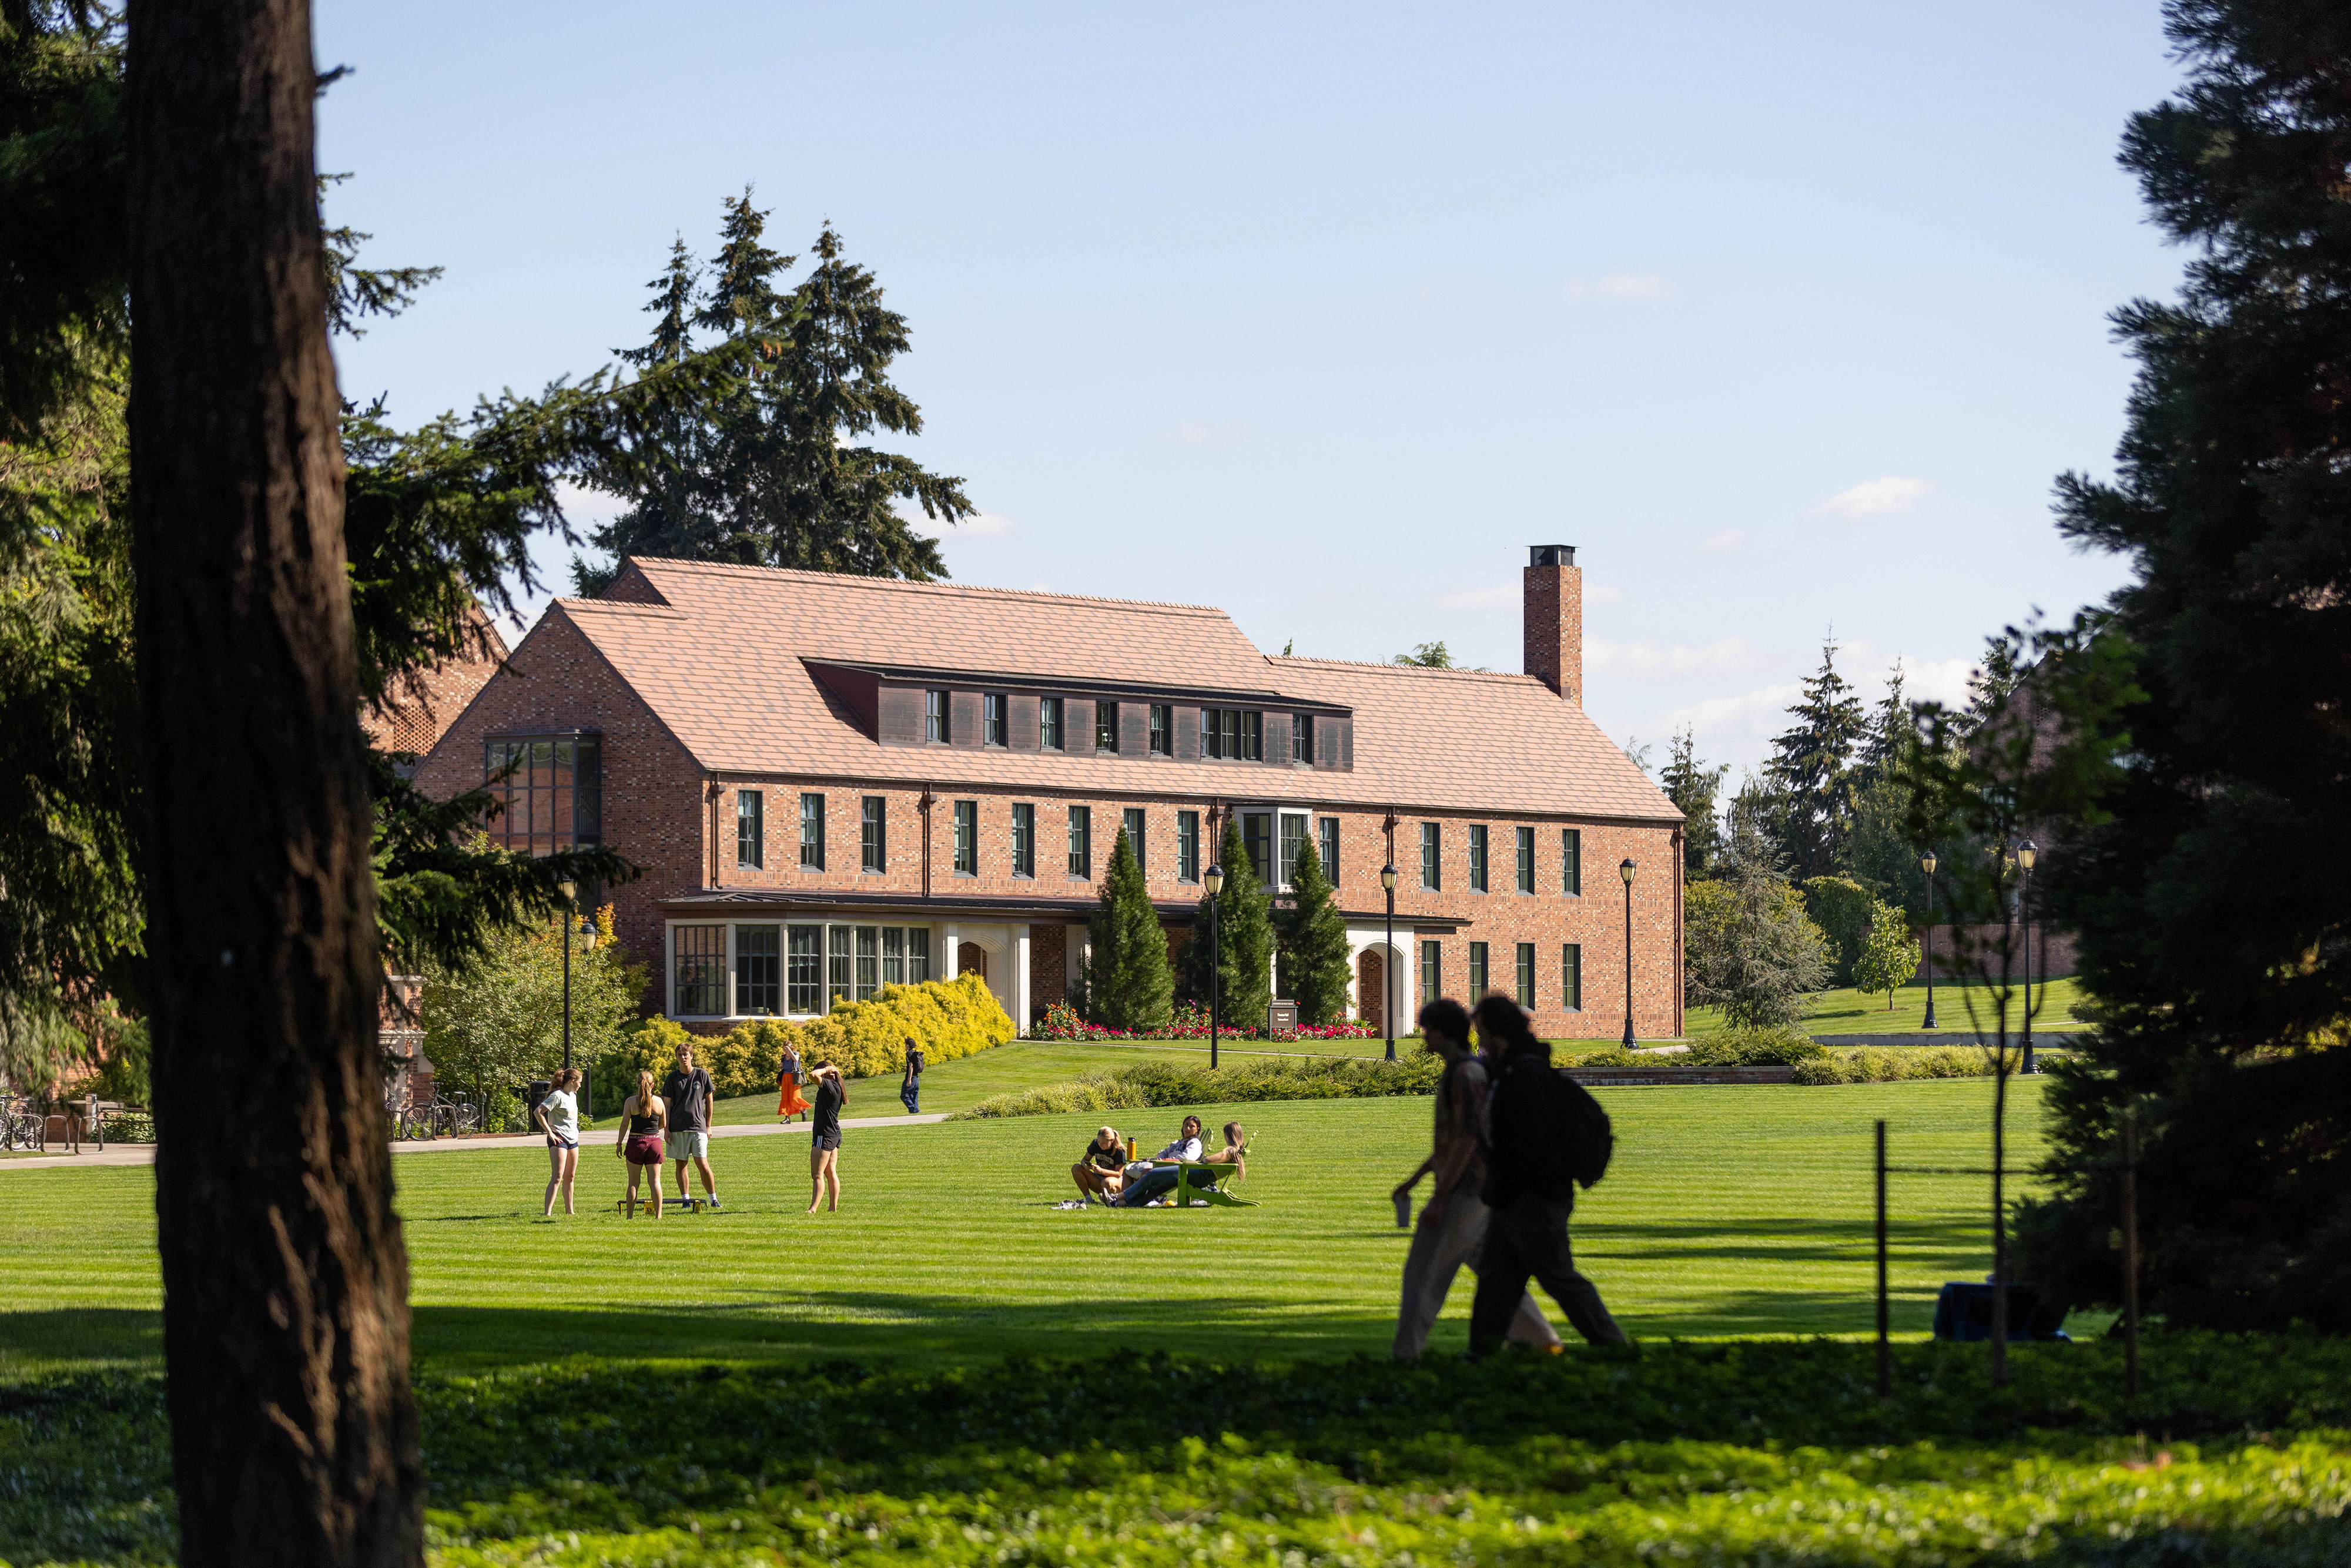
[
  {"x": 1214, "y": 882},
  {"x": 1626, "y": 871},
  {"x": 2026, "y": 852},
  {"x": 571, "y": 897},
  {"x": 1387, "y": 959},
  {"x": 1926, "y": 864}
]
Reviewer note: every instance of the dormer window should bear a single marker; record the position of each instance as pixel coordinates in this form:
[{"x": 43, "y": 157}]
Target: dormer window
[
  {"x": 935, "y": 718},
  {"x": 1232, "y": 734},
  {"x": 992, "y": 723},
  {"x": 1301, "y": 737},
  {"x": 1162, "y": 730},
  {"x": 1048, "y": 723},
  {"x": 1105, "y": 727}
]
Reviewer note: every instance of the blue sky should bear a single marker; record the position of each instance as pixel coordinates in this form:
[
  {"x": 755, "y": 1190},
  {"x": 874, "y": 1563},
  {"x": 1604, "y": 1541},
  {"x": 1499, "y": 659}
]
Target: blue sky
[{"x": 1785, "y": 316}]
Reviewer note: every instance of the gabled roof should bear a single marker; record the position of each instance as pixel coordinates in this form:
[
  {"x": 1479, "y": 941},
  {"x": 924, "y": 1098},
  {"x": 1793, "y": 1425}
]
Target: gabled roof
[{"x": 719, "y": 654}]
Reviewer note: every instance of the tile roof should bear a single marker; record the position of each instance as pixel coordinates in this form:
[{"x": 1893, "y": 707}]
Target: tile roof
[{"x": 720, "y": 663}]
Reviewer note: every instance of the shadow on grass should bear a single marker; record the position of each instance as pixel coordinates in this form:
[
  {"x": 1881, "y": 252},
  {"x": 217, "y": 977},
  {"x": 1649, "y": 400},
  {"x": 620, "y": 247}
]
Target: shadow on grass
[{"x": 79, "y": 1339}]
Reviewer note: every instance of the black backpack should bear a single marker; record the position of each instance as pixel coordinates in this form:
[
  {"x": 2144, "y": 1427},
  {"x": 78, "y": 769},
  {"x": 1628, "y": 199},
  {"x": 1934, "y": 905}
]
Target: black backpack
[{"x": 1581, "y": 1128}]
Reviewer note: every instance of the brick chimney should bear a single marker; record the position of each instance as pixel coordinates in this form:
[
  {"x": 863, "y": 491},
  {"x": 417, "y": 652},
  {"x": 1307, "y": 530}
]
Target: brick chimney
[{"x": 1555, "y": 619}]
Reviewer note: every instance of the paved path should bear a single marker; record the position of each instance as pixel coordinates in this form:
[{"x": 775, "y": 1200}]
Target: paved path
[{"x": 144, "y": 1154}]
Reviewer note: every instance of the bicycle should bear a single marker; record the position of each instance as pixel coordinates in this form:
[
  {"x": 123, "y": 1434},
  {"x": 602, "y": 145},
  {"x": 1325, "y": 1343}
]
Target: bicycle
[{"x": 23, "y": 1125}]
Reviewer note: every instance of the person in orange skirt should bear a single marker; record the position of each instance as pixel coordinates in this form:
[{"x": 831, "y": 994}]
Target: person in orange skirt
[{"x": 789, "y": 1103}]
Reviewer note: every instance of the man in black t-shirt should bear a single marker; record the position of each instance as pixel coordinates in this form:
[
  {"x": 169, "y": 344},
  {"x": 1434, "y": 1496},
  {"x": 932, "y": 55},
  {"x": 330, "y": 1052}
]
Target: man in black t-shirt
[
  {"x": 910, "y": 1087},
  {"x": 688, "y": 1092}
]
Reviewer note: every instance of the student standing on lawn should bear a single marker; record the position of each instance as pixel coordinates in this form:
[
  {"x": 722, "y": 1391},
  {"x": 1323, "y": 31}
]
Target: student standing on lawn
[
  {"x": 1528, "y": 1189},
  {"x": 643, "y": 1116},
  {"x": 1453, "y": 1222},
  {"x": 688, "y": 1092},
  {"x": 910, "y": 1090},
  {"x": 824, "y": 1138},
  {"x": 557, "y": 1116}
]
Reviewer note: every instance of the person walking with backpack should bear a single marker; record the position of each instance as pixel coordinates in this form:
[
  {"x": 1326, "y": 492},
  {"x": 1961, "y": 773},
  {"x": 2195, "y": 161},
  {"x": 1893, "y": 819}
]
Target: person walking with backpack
[
  {"x": 1543, "y": 1134},
  {"x": 910, "y": 1087}
]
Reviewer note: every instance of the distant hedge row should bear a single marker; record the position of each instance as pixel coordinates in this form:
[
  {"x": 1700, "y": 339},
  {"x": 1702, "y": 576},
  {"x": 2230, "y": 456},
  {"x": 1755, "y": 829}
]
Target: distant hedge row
[{"x": 1152, "y": 1083}]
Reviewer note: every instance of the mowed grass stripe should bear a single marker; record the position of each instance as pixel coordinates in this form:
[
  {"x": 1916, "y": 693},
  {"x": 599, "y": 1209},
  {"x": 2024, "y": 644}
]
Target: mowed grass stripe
[{"x": 1729, "y": 1210}]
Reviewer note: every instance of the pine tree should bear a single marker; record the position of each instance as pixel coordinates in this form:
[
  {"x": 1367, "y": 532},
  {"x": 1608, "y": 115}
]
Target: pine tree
[
  {"x": 1752, "y": 949},
  {"x": 1131, "y": 987},
  {"x": 1314, "y": 940},
  {"x": 1811, "y": 764},
  {"x": 1245, "y": 942},
  {"x": 1889, "y": 726},
  {"x": 1694, "y": 789}
]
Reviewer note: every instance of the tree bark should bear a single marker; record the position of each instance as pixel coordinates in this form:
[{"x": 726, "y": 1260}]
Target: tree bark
[{"x": 284, "y": 1278}]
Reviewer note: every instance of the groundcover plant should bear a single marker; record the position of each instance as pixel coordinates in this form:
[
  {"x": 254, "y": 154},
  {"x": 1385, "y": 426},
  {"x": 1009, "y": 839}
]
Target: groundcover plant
[{"x": 1749, "y": 1453}]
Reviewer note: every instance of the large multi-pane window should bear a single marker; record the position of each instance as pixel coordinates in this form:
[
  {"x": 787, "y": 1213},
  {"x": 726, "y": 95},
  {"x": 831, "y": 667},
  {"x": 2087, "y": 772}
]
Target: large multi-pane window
[
  {"x": 550, "y": 793},
  {"x": 701, "y": 985},
  {"x": 804, "y": 969},
  {"x": 1478, "y": 857},
  {"x": 1301, "y": 737},
  {"x": 751, "y": 828},
  {"x": 1477, "y": 972},
  {"x": 967, "y": 838},
  {"x": 1187, "y": 846},
  {"x": 1131, "y": 823},
  {"x": 1570, "y": 975},
  {"x": 1024, "y": 840},
  {"x": 757, "y": 970},
  {"x": 894, "y": 955},
  {"x": 1257, "y": 838},
  {"x": 1329, "y": 848},
  {"x": 1293, "y": 839},
  {"x": 824, "y": 964},
  {"x": 1526, "y": 837},
  {"x": 874, "y": 834},
  {"x": 918, "y": 954},
  {"x": 1081, "y": 841},
  {"x": 1232, "y": 734},
  {"x": 992, "y": 721},
  {"x": 1105, "y": 727},
  {"x": 1526, "y": 974},
  {"x": 811, "y": 833},
  {"x": 1571, "y": 860},
  {"x": 1162, "y": 730},
  {"x": 1432, "y": 873},
  {"x": 935, "y": 727},
  {"x": 1432, "y": 972},
  {"x": 1048, "y": 723},
  {"x": 840, "y": 984},
  {"x": 868, "y": 961}
]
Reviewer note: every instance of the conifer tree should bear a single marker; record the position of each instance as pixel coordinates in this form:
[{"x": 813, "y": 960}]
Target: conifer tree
[
  {"x": 1811, "y": 764},
  {"x": 1246, "y": 940},
  {"x": 1694, "y": 788},
  {"x": 1314, "y": 940},
  {"x": 1132, "y": 986}
]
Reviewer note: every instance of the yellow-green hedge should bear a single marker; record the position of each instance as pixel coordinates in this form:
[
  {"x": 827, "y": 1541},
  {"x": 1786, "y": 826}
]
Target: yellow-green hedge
[{"x": 950, "y": 1018}]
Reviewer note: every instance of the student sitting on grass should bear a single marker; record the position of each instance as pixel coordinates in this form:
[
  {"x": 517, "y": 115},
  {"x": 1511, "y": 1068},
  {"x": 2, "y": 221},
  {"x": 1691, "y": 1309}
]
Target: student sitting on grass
[
  {"x": 1160, "y": 1179},
  {"x": 1100, "y": 1171}
]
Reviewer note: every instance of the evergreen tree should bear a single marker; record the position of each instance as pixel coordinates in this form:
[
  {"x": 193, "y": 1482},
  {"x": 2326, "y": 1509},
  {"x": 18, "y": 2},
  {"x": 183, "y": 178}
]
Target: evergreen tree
[
  {"x": 1812, "y": 765},
  {"x": 1694, "y": 789},
  {"x": 1246, "y": 933},
  {"x": 1132, "y": 987},
  {"x": 2212, "y": 908},
  {"x": 1750, "y": 948},
  {"x": 1314, "y": 940},
  {"x": 1890, "y": 726}
]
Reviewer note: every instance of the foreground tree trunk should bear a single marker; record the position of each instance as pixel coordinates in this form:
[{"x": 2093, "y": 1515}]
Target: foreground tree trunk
[{"x": 285, "y": 1282}]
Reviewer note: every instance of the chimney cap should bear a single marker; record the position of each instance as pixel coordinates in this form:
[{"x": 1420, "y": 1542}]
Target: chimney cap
[{"x": 1551, "y": 555}]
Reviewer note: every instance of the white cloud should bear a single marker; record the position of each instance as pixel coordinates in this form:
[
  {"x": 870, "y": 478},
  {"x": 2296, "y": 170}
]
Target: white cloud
[
  {"x": 1602, "y": 593},
  {"x": 1213, "y": 432},
  {"x": 1938, "y": 680},
  {"x": 1479, "y": 599},
  {"x": 1757, "y": 713},
  {"x": 984, "y": 526},
  {"x": 1873, "y": 498},
  {"x": 1726, "y": 540},
  {"x": 1650, "y": 659},
  {"x": 1619, "y": 286}
]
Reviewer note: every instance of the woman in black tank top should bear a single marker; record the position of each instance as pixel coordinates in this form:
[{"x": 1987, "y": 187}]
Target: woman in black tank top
[
  {"x": 644, "y": 1117},
  {"x": 824, "y": 1138}
]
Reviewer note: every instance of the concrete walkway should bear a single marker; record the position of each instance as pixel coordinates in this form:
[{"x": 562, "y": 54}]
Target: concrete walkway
[{"x": 144, "y": 1154}]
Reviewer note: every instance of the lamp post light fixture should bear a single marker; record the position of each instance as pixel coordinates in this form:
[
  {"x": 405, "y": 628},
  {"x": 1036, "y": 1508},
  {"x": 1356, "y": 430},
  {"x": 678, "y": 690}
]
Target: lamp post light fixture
[
  {"x": 1626, "y": 871},
  {"x": 2026, "y": 852},
  {"x": 1214, "y": 882},
  {"x": 571, "y": 891},
  {"x": 1387, "y": 960},
  {"x": 1926, "y": 864}
]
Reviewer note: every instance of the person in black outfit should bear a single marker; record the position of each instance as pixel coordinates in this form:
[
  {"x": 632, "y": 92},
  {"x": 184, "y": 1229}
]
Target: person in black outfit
[
  {"x": 824, "y": 1138},
  {"x": 910, "y": 1087},
  {"x": 1528, "y": 1191}
]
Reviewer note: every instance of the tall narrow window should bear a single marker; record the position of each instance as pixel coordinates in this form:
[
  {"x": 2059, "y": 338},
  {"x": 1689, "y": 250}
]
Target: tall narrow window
[
  {"x": 935, "y": 718},
  {"x": 1301, "y": 737},
  {"x": 1105, "y": 727},
  {"x": 1571, "y": 860},
  {"x": 811, "y": 833},
  {"x": 918, "y": 954},
  {"x": 1432, "y": 972},
  {"x": 1525, "y": 976},
  {"x": 804, "y": 970},
  {"x": 1162, "y": 730},
  {"x": 1477, "y": 972},
  {"x": 1432, "y": 874},
  {"x": 894, "y": 955},
  {"x": 1293, "y": 839},
  {"x": 868, "y": 961},
  {"x": 1024, "y": 840},
  {"x": 1048, "y": 723},
  {"x": 874, "y": 834},
  {"x": 1252, "y": 738},
  {"x": 838, "y": 984},
  {"x": 550, "y": 793},
  {"x": 1257, "y": 837},
  {"x": 1329, "y": 848},
  {"x": 701, "y": 970},
  {"x": 1130, "y": 822},
  {"x": 1081, "y": 841},
  {"x": 751, "y": 828},
  {"x": 757, "y": 970},
  {"x": 1570, "y": 975},
  {"x": 967, "y": 838},
  {"x": 1212, "y": 741},
  {"x": 1187, "y": 846},
  {"x": 1477, "y": 858},
  {"x": 992, "y": 723},
  {"x": 1526, "y": 837}
]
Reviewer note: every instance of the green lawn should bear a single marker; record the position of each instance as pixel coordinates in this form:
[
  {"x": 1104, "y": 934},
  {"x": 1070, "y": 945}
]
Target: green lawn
[
  {"x": 1848, "y": 1011},
  {"x": 1729, "y": 1211}
]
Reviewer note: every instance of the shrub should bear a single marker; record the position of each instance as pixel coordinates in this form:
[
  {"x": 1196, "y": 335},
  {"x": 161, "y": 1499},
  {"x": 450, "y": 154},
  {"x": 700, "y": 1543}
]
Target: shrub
[
  {"x": 1153, "y": 1083},
  {"x": 1770, "y": 1047},
  {"x": 1883, "y": 1064}
]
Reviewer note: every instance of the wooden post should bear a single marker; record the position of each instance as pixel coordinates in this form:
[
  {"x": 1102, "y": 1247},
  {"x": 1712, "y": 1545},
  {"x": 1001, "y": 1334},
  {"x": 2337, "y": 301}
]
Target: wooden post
[
  {"x": 1884, "y": 1348},
  {"x": 2130, "y": 1255}
]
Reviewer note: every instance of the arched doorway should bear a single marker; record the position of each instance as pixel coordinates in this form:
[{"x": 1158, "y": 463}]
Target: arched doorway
[
  {"x": 971, "y": 958},
  {"x": 1371, "y": 989}
]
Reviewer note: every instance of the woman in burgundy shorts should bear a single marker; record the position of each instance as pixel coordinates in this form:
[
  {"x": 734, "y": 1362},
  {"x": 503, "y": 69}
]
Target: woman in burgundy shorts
[{"x": 644, "y": 1118}]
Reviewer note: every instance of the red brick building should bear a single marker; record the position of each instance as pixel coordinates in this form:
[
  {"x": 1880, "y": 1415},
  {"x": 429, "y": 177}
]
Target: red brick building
[
  {"x": 417, "y": 712},
  {"x": 833, "y": 783}
]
